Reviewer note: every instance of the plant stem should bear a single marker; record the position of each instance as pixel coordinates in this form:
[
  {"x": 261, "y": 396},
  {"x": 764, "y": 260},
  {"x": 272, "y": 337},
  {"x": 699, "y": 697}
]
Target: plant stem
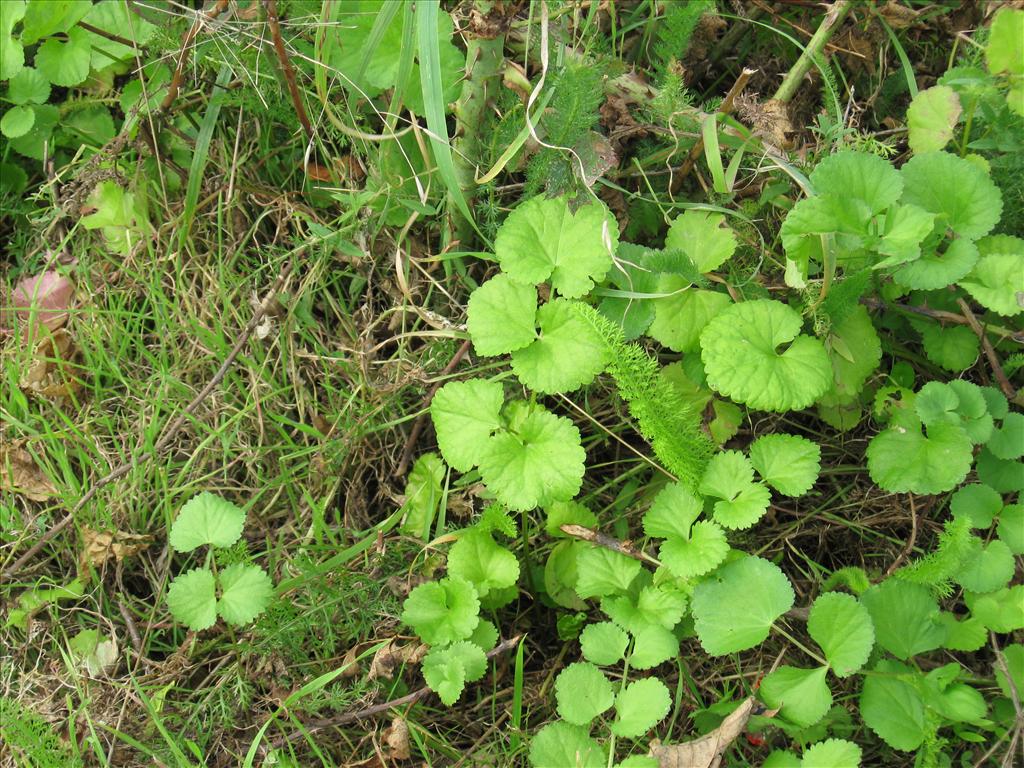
[{"x": 833, "y": 18}]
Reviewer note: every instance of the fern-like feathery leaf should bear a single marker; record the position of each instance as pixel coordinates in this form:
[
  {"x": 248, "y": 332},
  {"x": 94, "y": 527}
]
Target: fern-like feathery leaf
[{"x": 937, "y": 568}]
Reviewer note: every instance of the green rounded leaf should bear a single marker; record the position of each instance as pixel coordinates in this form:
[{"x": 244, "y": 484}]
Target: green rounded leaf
[
  {"x": 561, "y": 745},
  {"x": 902, "y": 459},
  {"x": 207, "y": 519},
  {"x": 538, "y": 463},
  {"x": 1007, "y": 441},
  {"x": 955, "y": 189},
  {"x": 735, "y": 608},
  {"x": 653, "y": 645},
  {"x": 955, "y": 348},
  {"x": 562, "y": 513},
  {"x": 968, "y": 635},
  {"x": 905, "y": 616},
  {"x": 1014, "y": 655},
  {"x": 931, "y": 117},
  {"x": 788, "y": 463},
  {"x": 67, "y": 62},
  {"x": 465, "y": 415},
  {"x": 701, "y": 553},
  {"x": 603, "y": 643},
  {"x": 741, "y": 358},
  {"x": 673, "y": 511},
  {"x": 568, "y": 354},
  {"x": 28, "y": 87},
  {"x": 485, "y": 636},
  {"x": 1005, "y": 50},
  {"x": 501, "y": 316},
  {"x": 442, "y": 612},
  {"x": 245, "y": 592},
  {"x": 935, "y": 270},
  {"x": 832, "y": 753},
  {"x": 582, "y": 692},
  {"x": 680, "y": 317},
  {"x": 12, "y": 53},
  {"x": 858, "y": 179},
  {"x": 987, "y": 567},
  {"x": 892, "y": 707},
  {"x": 997, "y": 283},
  {"x": 542, "y": 239},
  {"x": 192, "y": 599},
  {"x": 1011, "y": 528},
  {"x": 639, "y": 707},
  {"x": 445, "y": 674},
  {"x": 704, "y": 237},
  {"x": 844, "y": 630},
  {"x": 17, "y": 121},
  {"x": 729, "y": 476},
  {"x": 801, "y": 695},
  {"x": 476, "y": 558},
  {"x": 977, "y": 502},
  {"x": 602, "y": 572}
]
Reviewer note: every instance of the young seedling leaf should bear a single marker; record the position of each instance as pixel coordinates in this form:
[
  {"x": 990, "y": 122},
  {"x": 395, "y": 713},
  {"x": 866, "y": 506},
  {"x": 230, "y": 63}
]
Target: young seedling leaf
[
  {"x": 801, "y": 695},
  {"x": 739, "y": 348},
  {"x": 559, "y": 744},
  {"x": 603, "y": 643},
  {"x": 788, "y": 463},
  {"x": 892, "y": 707},
  {"x": 833, "y": 753},
  {"x": 905, "y": 616},
  {"x": 703, "y": 237},
  {"x": 245, "y": 592},
  {"x": 465, "y": 415},
  {"x": 931, "y": 118},
  {"x": 955, "y": 189},
  {"x": 583, "y": 692},
  {"x": 207, "y": 519},
  {"x": 639, "y": 707},
  {"x": 729, "y": 477},
  {"x": 192, "y": 599},
  {"x": 568, "y": 354},
  {"x": 735, "y": 608},
  {"x": 844, "y": 630},
  {"x": 501, "y": 316},
  {"x": 478, "y": 559},
  {"x": 445, "y": 673},
  {"x": 602, "y": 572},
  {"x": 442, "y": 612}
]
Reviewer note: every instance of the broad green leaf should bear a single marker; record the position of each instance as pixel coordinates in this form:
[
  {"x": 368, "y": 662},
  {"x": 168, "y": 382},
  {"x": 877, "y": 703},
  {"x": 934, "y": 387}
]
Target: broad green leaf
[
  {"x": 245, "y": 592},
  {"x": 997, "y": 282},
  {"x": 465, "y": 415},
  {"x": 603, "y": 643},
  {"x": 672, "y": 513},
  {"x": 206, "y": 519},
  {"x": 65, "y": 62},
  {"x": 639, "y": 707},
  {"x": 114, "y": 17},
  {"x": 1003, "y": 475},
  {"x": 561, "y": 573},
  {"x": 729, "y": 477},
  {"x": 542, "y": 239},
  {"x": 987, "y": 568},
  {"x": 120, "y": 214},
  {"x": 680, "y": 318},
  {"x": 788, "y": 463},
  {"x": 653, "y": 645},
  {"x": 655, "y": 605},
  {"x": 905, "y": 616},
  {"x": 501, "y": 316},
  {"x": 969, "y": 407},
  {"x": 12, "y": 53},
  {"x": 1005, "y": 50},
  {"x": 832, "y": 753},
  {"x": 638, "y": 761},
  {"x": 445, "y": 674},
  {"x": 423, "y": 493},
  {"x": 192, "y": 599},
  {"x": 28, "y": 87},
  {"x": 958, "y": 703},
  {"x": 704, "y": 237},
  {"x": 567, "y": 513},
  {"x": 968, "y": 635},
  {"x": 735, "y": 608},
  {"x": 844, "y": 630},
  {"x": 739, "y": 349},
  {"x": 17, "y": 121},
  {"x": 442, "y": 612},
  {"x": 855, "y": 351},
  {"x": 538, "y": 462},
  {"x": 1000, "y": 611},
  {"x": 977, "y": 502},
  {"x": 34, "y": 143},
  {"x": 906, "y": 226},
  {"x": 602, "y": 572},
  {"x": 858, "y": 178},
  {"x": 955, "y": 189},
  {"x": 892, "y": 707},
  {"x": 476, "y": 558},
  {"x": 485, "y": 636},
  {"x": 568, "y": 354},
  {"x": 801, "y": 695},
  {"x": 780, "y": 759},
  {"x": 630, "y": 275},
  {"x": 1011, "y": 527},
  {"x": 1014, "y": 655},
  {"x": 935, "y": 270},
  {"x": 561, "y": 745},
  {"x": 931, "y": 117},
  {"x": 46, "y": 17},
  {"x": 704, "y": 549},
  {"x": 902, "y": 459},
  {"x": 1007, "y": 440},
  {"x": 582, "y": 692},
  {"x": 954, "y": 348}
]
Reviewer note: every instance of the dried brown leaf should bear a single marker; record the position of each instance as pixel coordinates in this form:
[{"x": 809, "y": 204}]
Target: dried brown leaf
[
  {"x": 707, "y": 751},
  {"x": 19, "y": 473},
  {"x": 43, "y": 300},
  {"x": 391, "y": 656},
  {"x": 101, "y": 546},
  {"x": 397, "y": 739},
  {"x": 51, "y": 374}
]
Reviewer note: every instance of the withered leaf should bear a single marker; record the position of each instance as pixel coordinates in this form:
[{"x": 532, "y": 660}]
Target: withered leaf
[
  {"x": 707, "y": 751},
  {"x": 19, "y": 473},
  {"x": 101, "y": 546},
  {"x": 391, "y": 656},
  {"x": 43, "y": 300},
  {"x": 51, "y": 373},
  {"x": 397, "y": 739}
]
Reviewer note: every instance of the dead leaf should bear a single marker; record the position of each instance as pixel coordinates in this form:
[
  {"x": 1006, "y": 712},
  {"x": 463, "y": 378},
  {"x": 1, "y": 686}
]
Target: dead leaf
[
  {"x": 391, "y": 656},
  {"x": 19, "y": 473},
  {"x": 707, "y": 751},
  {"x": 397, "y": 739},
  {"x": 101, "y": 546},
  {"x": 51, "y": 373},
  {"x": 43, "y": 301},
  {"x": 351, "y": 666}
]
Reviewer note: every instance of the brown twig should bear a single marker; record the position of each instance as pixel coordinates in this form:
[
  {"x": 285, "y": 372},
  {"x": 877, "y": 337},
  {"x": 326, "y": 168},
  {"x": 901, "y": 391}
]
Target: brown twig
[
  {"x": 990, "y": 352},
  {"x": 905, "y": 553},
  {"x": 417, "y": 426},
  {"x": 286, "y": 66},
  {"x": 724, "y": 109},
  {"x": 164, "y": 440},
  {"x": 186, "y": 45},
  {"x": 941, "y": 315},
  {"x": 615, "y": 545},
  {"x": 376, "y": 709}
]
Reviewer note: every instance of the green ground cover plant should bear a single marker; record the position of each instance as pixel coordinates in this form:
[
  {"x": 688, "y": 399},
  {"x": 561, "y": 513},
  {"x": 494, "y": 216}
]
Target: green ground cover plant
[{"x": 618, "y": 385}]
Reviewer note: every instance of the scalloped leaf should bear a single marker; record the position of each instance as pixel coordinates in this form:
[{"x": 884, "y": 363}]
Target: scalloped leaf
[
  {"x": 602, "y": 572},
  {"x": 801, "y": 695},
  {"x": 858, "y": 178},
  {"x": 542, "y": 239},
  {"x": 478, "y": 559},
  {"x": 65, "y": 62},
  {"x": 568, "y": 354},
  {"x": 246, "y": 591},
  {"x": 892, "y": 707},
  {"x": 12, "y": 53},
  {"x": 987, "y": 567},
  {"x": 603, "y": 643},
  {"x": 902, "y": 459},
  {"x": 639, "y": 707},
  {"x": 206, "y": 518},
  {"x": 442, "y": 612},
  {"x": 788, "y": 463},
  {"x": 832, "y": 753},
  {"x": 936, "y": 270},
  {"x": 29, "y": 86},
  {"x": 931, "y": 117},
  {"x": 739, "y": 349},
  {"x": 465, "y": 415},
  {"x": 501, "y": 316},
  {"x": 997, "y": 283},
  {"x": 673, "y": 511},
  {"x": 957, "y": 190},
  {"x": 192, "y": 599},
  {"x": 703, "y": 237},
  {"x": 905, "y": 616},
  {"x": 842, "y": 626},
  {"x": 680, "y": 318},
  {"x": 700, "y": 553},
  {"x": 582, "y": 692},
  {"x": 653, "y": 645},
  {"x": 729, "y": 477},
  {"x": 559, "y": 744}
]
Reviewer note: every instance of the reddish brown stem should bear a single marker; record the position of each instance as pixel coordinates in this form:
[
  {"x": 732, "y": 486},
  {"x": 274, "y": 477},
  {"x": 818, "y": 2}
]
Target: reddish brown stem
[{"x": 286, "y": 66}]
